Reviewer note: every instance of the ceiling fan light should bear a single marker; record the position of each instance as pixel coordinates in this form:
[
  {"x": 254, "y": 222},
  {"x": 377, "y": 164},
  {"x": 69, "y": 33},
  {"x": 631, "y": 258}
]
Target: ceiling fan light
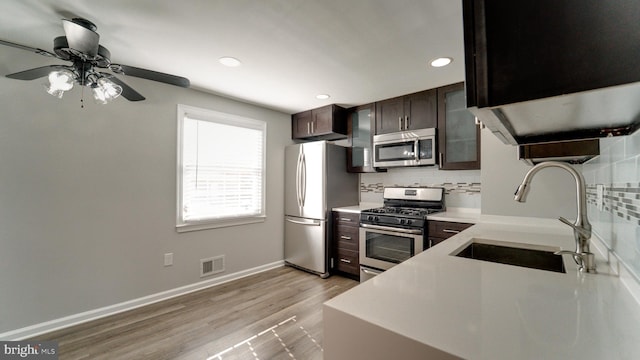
[
  {"x": 61, "y": 80},
  {"x": 54, "y": 92},
  {"x": 99, "y": 95},
  {"x": 105, "y": 90},
  {"x": 111, "y": 89}
]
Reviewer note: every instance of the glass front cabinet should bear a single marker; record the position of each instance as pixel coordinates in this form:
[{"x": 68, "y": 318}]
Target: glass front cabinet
[
  {"x": 458, "y": 132},
  {"x": 360, "y": 127}
]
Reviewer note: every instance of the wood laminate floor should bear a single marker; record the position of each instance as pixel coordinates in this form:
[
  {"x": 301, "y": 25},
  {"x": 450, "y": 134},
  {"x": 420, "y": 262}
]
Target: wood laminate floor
[{"x": 276, "y": 314}]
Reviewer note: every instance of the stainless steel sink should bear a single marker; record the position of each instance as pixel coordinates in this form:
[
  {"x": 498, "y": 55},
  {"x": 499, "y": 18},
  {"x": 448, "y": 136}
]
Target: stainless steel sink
[{"x": 509, "y": 255}]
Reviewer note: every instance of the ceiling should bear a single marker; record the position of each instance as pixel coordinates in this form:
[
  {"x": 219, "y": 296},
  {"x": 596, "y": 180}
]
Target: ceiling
[{"x": 357, "y": 51}]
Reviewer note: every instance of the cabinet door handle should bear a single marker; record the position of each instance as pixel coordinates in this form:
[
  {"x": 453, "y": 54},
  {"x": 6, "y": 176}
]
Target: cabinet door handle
[
  {"x": 406, "y": 122},
  {"x": 308, "y": 128},
  {"x": 441, "y": 159},
  {"x": 400, "y": 123},
  {"x": 451, "y": 231},
  {"x": 345, "y": 219},
  {"x": 313, "y": 126},
  {"x": 346, "y": 261},
  {"x": 344, "y": 237}
]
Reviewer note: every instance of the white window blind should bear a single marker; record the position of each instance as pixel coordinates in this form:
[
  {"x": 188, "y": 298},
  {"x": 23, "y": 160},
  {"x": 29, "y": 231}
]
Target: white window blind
[{"x": 221, "y": 169}]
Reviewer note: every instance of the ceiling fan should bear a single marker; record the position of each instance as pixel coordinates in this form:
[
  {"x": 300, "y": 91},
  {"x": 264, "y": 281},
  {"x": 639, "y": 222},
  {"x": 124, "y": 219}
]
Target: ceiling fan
[{"x": 81, "y": 47}]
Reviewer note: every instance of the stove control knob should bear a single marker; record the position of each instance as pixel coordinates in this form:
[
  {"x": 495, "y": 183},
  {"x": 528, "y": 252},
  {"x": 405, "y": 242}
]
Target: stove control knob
[
  {"x": 402, "y": 221},
  {"x": 370, "y": 217},
  {"x": 375, "y": 218},
  {"x": 409, "y": 221}
]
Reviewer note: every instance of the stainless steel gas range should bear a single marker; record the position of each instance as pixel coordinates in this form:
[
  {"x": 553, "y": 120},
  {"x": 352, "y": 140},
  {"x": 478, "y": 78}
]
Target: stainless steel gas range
[{"x": 397, "y": 231}]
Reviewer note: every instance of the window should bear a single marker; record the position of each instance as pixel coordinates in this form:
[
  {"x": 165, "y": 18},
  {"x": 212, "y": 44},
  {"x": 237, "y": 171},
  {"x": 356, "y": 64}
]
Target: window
[{"x": 221, "y": 169}]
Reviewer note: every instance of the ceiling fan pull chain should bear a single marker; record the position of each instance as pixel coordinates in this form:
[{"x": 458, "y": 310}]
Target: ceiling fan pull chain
[{"x": 82, "y": 91}]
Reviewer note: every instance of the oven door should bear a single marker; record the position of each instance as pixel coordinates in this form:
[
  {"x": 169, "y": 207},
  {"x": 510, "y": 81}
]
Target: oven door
[{"x": 383, "y": 247}]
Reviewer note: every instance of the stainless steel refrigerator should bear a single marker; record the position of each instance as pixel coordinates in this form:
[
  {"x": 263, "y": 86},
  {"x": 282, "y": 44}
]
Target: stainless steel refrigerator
[{"x": 316, "y": 180}]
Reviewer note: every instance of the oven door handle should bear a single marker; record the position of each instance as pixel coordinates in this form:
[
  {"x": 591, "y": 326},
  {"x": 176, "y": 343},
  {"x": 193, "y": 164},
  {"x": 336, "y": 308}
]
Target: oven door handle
[
  {"x": 386, "y": 228},
  {"x": 370, "y": 272}
]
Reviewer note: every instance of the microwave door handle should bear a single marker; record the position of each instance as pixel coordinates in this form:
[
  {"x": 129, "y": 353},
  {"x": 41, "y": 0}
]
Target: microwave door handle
[{"x": 416, "y": 147}]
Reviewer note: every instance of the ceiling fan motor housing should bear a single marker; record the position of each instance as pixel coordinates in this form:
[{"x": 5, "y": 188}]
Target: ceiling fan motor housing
[
  {"x": 62, "y": 49},
  {"x": 85, "y": 23}
]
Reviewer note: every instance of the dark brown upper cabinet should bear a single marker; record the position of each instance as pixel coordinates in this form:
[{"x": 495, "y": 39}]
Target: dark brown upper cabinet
[
  {"x": 409, "y": 112},
  {"x": 547, "y": 71},
  {"x": 326, "y": 123},
  {"x": 361, "y": 122},
  {"x": 458, "y": 133}
]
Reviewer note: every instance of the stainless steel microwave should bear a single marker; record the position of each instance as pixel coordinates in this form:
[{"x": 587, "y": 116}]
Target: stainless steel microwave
[{"x": 405, "y": 148}]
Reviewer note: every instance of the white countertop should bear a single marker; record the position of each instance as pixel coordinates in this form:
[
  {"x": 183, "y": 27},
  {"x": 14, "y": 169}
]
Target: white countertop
[
  {"x": 471, "y": 216},
  {"x": 358, "y": 208},
  {"x": 483, "y": 310}
]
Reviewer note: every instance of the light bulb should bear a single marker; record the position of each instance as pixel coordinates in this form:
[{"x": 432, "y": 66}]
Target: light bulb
[
  {"x": 111, "y": 89},
  {"x": 99, "y": 95},
  {"x": 61, "y": 80},
  {"x": 105, "y": 90}
]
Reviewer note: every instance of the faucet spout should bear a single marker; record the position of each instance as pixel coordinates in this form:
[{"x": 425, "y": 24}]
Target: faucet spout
[{"x": 581, "y": 227}]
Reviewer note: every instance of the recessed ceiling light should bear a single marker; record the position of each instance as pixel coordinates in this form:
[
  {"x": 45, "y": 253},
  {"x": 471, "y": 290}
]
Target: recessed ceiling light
[
  {"x": 229, "y": 61},
  {"x": 440, "y": 62},
  {"x": 322, "y": 96}
]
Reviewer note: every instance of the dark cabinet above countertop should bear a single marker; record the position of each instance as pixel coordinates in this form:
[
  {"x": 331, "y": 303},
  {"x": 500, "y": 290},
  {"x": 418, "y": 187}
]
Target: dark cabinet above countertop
[
  {"x": 408, "y": 112},
  {"x": 325, "y": 123},
  {"x": 546, "y": 71},
  {"x": 458, "y": 132}
]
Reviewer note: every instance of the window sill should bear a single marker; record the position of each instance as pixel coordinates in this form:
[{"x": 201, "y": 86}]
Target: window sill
[{"x": 219, "y": 223}]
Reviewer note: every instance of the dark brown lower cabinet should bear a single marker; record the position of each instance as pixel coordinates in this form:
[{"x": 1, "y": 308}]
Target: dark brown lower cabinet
[
  {"x": 344, "y": 246},
  {"x": 440, "y": 231}
]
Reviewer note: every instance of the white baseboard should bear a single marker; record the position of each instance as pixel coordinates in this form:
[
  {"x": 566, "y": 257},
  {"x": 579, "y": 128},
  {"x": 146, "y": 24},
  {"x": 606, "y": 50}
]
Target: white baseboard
[{"x": 57, "y": 324}]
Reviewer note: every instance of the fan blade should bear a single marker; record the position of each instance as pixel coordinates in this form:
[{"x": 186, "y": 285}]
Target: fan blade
[
  {"x": 151, "y": 75},
  {"x": 81, "y": 38},
  {"x": 28, "y": 48},
  {"x": 39, "y": 72},
  {"x": 127, "y": 91}
]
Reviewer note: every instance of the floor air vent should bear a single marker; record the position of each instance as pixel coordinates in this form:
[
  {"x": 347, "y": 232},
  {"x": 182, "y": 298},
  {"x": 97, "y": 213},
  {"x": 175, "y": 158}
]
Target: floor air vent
[{"x": 211, "y": 266}]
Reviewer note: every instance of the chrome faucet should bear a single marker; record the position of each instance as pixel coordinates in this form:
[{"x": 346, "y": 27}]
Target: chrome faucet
[{"x": 581, "y": 227}]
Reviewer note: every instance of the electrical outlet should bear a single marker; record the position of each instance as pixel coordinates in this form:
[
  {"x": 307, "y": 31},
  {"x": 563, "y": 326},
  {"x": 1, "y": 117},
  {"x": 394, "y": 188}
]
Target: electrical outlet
[{"x": 168, "y": 259}]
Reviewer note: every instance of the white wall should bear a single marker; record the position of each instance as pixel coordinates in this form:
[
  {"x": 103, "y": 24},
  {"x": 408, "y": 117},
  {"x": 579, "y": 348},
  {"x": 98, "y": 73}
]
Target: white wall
[
  {"x": 552, "y": 192},
  {"x": 88, "y": 198}
]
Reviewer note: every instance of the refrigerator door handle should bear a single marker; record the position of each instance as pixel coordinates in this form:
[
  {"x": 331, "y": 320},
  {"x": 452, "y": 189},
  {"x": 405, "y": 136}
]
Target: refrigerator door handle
[
  {"x": 303, "y": 181},
  {"x": 298, "y": 168},
  {"x": 310, "y": 223}
]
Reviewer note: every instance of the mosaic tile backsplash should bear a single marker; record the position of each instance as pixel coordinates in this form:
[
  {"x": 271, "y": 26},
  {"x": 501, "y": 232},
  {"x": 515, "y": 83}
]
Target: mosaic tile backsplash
[
  {"x": 462, "y": 188},
  {"x": 617, "y": 169}
]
